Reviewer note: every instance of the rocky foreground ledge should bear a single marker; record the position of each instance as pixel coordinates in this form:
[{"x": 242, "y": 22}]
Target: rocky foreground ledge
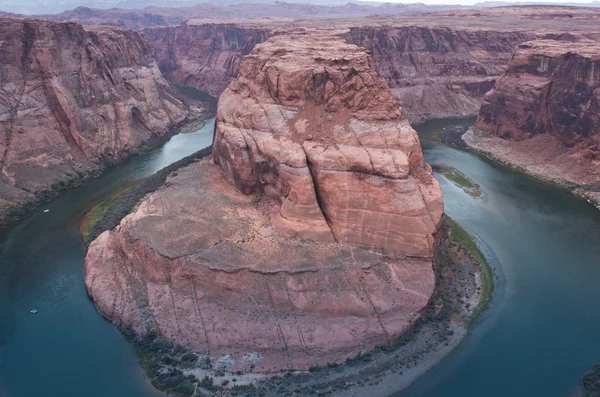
[{"x": 310, "y": 242}]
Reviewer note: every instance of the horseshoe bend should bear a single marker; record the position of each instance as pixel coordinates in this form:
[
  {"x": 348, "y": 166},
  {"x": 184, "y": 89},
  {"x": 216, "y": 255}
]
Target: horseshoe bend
[{"x": 307, "y": 239}]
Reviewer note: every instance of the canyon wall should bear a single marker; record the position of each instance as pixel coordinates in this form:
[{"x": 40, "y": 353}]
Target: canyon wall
[
  {"x": 72, "y": 99},
  {"x": 309, "y": 241},
  {"x": 206, "y": 56},
  {"x": 438, "y": 71},
  {"x": 433, "y": 72},
  {"x": 543, "y": 114}
]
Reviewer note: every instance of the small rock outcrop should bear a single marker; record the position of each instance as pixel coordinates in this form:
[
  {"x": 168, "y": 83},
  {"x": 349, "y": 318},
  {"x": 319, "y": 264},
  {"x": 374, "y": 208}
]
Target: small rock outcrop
[
  {"x": 542, "y": 115},
  {"x": 71, "y": 99},
  {"x": 313, "y": 238}
]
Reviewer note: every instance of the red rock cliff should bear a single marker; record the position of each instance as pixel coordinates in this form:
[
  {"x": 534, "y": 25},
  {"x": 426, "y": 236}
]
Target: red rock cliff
[
  {"x": 309, "y": 122},
  {"x": 550, "y": 87},
  {"x": 311, "y": 130},
  {"x": 206, "y": 56},
  {"x": 433, "y": 71},
  {"x": 543, "y": 113},
  {"x": 438, "y": 71},
  {"x": 72, "y": 98}
]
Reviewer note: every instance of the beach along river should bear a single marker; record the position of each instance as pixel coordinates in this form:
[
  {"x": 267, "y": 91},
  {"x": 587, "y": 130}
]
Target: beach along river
[{"x": 540, "y": 333}]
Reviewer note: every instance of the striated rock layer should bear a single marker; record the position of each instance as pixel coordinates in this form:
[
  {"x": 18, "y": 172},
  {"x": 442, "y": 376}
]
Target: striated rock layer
[
  {"x": 71, "y": 99},
  {"x": 309, "y": 122},
  {"x": 207, "y": 56},
  {"x": 312, "y": 239},
  {"x": 439, "y": 71},
  {"x": 433, "y": 71},
  {"x": 543, "y": 113}
]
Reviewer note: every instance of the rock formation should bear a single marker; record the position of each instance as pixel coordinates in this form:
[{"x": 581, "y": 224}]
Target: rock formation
[
  {"x": 543, "y": 113},
  {"x": 205, "y": 56},
  {"x": 322, "y": 134},
  {"x": 71, "y": 99},
  {"x": 312, "y": 239},
  {"x": 439, "y": 71},
  {"x": 550, "y": 87},
  {"x": 433, "y": 72}
]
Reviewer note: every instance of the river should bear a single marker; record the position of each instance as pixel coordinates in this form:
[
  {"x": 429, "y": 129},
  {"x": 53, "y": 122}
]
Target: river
[
  {"x": 67, "y": 349},
  {"x": 536, "y": 339},
  {"x": 542, "y": 329}
]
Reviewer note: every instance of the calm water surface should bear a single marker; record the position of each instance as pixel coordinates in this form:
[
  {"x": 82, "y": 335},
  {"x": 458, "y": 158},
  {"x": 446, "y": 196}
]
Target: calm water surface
[
  {"x": 541, "y": 332},
  {"x": 543, "y": 328},
  {"x": 67, "y": 349}
]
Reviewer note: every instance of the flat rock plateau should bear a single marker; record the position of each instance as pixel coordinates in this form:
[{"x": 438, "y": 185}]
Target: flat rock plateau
[{"x": 312, "y": 237}]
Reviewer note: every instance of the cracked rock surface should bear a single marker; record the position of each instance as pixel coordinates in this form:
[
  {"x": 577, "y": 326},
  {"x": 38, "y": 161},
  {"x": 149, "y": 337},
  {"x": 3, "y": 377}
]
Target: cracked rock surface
[
  {"x": 312, "y": 238},
  {"x": 309, "y": 123}
]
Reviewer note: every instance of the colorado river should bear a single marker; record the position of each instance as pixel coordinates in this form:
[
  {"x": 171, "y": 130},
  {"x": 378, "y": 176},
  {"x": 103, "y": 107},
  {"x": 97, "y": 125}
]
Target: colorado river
[
  {"x": 67, "y": 349},
  {"x": 542, "y": 329},
  {"x": 539, "y": 335}
]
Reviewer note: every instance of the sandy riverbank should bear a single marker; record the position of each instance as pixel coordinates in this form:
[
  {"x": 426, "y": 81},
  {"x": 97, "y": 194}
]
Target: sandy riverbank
[{"x": 544, "y": 158}]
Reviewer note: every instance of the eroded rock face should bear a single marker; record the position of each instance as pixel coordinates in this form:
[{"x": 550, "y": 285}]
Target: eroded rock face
[
  {"x": 312, "y": 238},
  {"x": 199, "y": 262},
  {"x": 309, "y": 122},
  {"x": 433, "y": 71},
  {"x": 543, "y": 113},
  {"x": 205, "y": 56},
  {"x": 439, "y": 71},
  {"x": 72, "y": 98},
  {"x": 550, "y": 87}
]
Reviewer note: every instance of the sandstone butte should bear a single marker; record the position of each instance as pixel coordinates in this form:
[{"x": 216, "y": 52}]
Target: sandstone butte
[
  {"x": 542, "y": 115},
  {"x": 311, "y": 236},
  {"x": 71, "y": 99}
]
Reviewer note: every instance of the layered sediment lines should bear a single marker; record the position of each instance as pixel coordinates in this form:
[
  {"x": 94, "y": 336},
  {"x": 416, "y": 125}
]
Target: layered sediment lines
[
  {"x": 542, "y": 115},
  {"x": 207, "y": 56},
  {"x": 322, "y": 134},
  {"x": 71, "y": 99},
  {"x": 433, "y": 71},
  {"x": 312, "y": 237},
  {"x": 438, "y": 71}
]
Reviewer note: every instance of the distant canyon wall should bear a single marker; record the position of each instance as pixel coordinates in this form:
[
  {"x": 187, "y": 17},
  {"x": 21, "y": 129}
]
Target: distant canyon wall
[
  {"x": 433, "y": 72},
  {"x": 206, "y": 57},
  {"x": 72, "y": 99},
  {"x": 543, "y": 114},
  {"x": 438, "y": 72}
]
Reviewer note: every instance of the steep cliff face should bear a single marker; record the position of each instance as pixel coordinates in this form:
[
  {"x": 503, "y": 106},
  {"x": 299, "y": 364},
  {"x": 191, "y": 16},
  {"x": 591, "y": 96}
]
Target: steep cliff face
[
  {"x": 309, "y": 143},
  {"x": 207, "y": 56},
  {"x": 550, "y": 87},
  {"x": 438, "y": 71},
  {"x": 72, "y": 99},
  {"x": 309, "y": 122},
  {"x": 543, "y": 112},
  {"x": 433, "y": 72}
]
